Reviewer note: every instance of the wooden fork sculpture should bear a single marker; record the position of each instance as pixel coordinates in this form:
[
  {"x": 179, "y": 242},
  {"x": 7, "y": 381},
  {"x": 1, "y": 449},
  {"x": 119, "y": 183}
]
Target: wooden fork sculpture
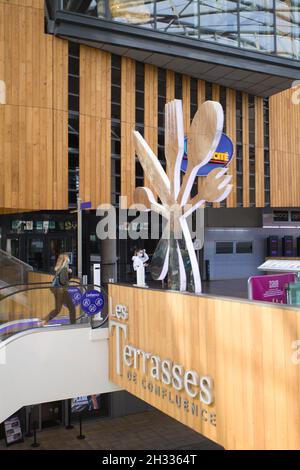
[{"x": 175, "y": 251}]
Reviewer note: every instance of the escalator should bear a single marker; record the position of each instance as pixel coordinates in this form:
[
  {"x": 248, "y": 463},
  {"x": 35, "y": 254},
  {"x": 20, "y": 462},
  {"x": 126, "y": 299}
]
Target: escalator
[
  {"x": 13, "y": 271},
  {"x": 44, "y": 357}
]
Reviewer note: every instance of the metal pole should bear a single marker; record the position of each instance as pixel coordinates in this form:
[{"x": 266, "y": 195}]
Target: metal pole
[
  {"x": 68, "y": 411},
  {"x": 81, "y": 436},
  {"x": 35, "y": 443},
  {"x": 79, "y": 238},
  {"x": 28, "y": 423}
]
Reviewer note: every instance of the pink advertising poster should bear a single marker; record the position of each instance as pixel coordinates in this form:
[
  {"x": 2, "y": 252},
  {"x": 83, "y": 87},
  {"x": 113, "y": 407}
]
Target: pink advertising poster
[{"x": 270, "y": 288}]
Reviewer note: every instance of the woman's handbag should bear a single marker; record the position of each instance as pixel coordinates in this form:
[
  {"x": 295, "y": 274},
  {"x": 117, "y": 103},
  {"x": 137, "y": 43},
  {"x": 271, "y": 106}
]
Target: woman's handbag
[{"x": 63, "y": 277}]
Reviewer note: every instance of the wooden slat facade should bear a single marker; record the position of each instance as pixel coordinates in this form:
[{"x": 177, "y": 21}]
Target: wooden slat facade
[
  {"x": 259, "y": 153},
  {"x": 216, "y": 97},
  {"x": 245, "y": 347},
  {"x": 34, "y": 120},
  {"x": 128, "y": 122},
  {"x": 231, "y": 201},
  {"x": 246, "y": 188},
  {"x": 170, "y": 85},
  {"x": 201, "y": 99},
  {"x": 151, "y": 111},
  {"x": 95, "y": 126},
  {"x": 127, "y": 126},
  {"x": 285, "y": 149},
  {"x": 170, "y": 95},
  {"x": 186, "y": 102}
]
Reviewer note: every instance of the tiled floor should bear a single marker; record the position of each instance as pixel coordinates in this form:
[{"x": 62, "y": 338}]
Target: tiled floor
[{"x": 151, "y": 430}]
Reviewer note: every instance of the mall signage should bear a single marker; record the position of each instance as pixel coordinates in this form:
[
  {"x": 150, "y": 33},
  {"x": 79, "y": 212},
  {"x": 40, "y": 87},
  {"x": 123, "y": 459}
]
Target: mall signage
[
  {"x": 75, "y": 294},
  {"x": 92, "y": 302},
  {"x": 270, "y": 288},
  {"x": 163, "y": 377},
  {"x": 220, "y": 159}
]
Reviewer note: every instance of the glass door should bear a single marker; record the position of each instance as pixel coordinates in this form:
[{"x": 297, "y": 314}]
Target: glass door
[
  {"x": 13, "y": 246},
  {"x": 35, "y": 253},
  {"x": 57, "y": 245}
]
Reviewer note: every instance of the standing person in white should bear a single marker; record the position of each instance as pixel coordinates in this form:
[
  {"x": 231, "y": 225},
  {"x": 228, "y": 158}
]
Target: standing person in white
[{"x": 139, "y": 259}]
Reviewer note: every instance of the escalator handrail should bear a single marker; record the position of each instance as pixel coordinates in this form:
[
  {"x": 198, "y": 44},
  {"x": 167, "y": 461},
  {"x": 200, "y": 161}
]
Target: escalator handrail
[
  {"x": 49, "y": 283},
  {"x": 37, "y": 288},
  {"x": 16, "y": 260},
  {"x": 85, "y": 286}
]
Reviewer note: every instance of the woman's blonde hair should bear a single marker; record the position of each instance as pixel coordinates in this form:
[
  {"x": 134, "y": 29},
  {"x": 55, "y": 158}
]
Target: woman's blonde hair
[{"x": 61, "y": 260}]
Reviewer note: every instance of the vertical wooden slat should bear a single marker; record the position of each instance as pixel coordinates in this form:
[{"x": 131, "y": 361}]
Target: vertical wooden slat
[
  {"x": 231, "y": 132},
  {"x": 36, "y": 158},
  {"x": 284, "y": 149},
  {"x": 186, "y": 102},
  {"x": 2, "y": 150},
  {"x": 60, "y": 124},
  {"x": 170, "y": 95},
  {"x": 259, "y": 153},
  {"x": 201, "y": 92},
  {"x": 216, "y": 92},
  {"x": 170, "y": 85},
  {"x": 22, "y": 157},
  {"x": 151, "y": 110},
  {"x": 105, "y": 143},
  {"x": 95, "y": 126},
  {"x": 246, "y": 190},
  {"x": 127, "y": 126},
  {"x": 201, "y": 99},
  {"x": 216, "y": 97},
  {"x": 8, "y": 156}
]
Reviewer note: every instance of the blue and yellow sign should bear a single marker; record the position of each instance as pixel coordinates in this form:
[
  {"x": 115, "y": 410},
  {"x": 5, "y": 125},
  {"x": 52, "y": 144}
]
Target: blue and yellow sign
[{"x": 221, "y": 158}]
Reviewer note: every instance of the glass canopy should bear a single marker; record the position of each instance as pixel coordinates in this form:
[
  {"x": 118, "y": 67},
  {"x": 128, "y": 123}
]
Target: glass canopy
[{"x": 270, "y": 26}]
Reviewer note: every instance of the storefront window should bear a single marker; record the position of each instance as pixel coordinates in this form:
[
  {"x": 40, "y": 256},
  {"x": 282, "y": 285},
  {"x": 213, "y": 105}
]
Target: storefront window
[
  {"x": 244, "y": 247},
  {"x": 224, "y": 248}
]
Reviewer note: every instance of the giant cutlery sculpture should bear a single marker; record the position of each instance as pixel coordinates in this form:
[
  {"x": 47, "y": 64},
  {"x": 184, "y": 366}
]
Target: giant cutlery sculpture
[{"x": 175, "y": 254}]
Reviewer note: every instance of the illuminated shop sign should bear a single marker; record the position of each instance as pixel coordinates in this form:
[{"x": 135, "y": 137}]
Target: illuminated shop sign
[
  {"x": 221, "y": 158},
  {"x": 163, "y": 377}
]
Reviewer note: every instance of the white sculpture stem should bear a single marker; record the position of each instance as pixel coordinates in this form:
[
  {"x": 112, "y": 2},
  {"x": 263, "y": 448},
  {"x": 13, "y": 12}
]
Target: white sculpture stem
[{"x": 192, "y": 255}]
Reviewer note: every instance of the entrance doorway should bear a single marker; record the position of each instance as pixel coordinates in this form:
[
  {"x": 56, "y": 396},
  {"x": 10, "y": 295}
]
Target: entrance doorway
[
  {"x": 35, "y": 252},
  {"x": 40, "y": 250}
]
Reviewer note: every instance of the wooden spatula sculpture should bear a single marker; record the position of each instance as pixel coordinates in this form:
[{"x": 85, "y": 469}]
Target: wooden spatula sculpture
[
  {"x": 145, "y": 197},
  {"x": 214, "y": 187}
]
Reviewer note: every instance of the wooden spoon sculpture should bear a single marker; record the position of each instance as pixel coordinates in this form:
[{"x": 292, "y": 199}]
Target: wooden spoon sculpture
[{"x": 203, "y": 138}]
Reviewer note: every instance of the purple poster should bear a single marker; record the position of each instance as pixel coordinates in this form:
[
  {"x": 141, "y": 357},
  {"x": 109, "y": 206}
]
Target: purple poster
[{"x": 270, "y": 288}]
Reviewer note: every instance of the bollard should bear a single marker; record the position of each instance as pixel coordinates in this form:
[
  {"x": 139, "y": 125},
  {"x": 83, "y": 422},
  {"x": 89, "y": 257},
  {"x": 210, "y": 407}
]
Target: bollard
[
  {"x": 35, "y": 443},
  {"x": 81, "y": 436}
]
